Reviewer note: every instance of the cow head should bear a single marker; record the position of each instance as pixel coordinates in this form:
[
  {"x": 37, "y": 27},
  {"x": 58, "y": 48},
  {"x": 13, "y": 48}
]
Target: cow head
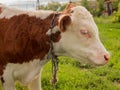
[{"x": 79, "y": 37}]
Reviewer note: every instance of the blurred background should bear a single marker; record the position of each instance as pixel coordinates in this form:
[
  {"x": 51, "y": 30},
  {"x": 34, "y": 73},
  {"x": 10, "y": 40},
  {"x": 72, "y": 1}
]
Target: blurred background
[{"x": 96, "y": 7}]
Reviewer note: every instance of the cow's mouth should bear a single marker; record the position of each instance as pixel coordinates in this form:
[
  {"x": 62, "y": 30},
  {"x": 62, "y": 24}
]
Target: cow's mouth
[{"x": 91, "y": 62}]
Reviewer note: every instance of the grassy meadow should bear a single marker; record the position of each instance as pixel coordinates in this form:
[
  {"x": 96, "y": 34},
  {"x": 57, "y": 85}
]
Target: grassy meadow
[{"x": 75, "y": 76}]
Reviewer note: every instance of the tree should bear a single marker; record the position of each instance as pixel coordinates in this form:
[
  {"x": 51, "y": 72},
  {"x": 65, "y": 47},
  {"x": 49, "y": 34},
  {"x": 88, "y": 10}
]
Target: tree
[
  {"x": 101, "y": 7},
  {"x": 53, "y": 6},
  {"x": 85, "y": 4},
  {"x": 115, "y": 5},
  {"x": 37, "y": 4},
  {"x": 116, "y": 17}
]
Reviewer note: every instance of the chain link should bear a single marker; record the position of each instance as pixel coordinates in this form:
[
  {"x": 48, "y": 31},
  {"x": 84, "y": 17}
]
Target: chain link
[{"x": 54, "y": 58}]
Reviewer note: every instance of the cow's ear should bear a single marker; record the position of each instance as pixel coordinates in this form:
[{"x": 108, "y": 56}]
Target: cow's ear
[{"x": 64, "y": 22}]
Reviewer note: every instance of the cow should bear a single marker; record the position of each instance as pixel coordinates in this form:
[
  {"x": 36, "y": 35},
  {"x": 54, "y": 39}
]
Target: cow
[{"x": 25, "y": 42}]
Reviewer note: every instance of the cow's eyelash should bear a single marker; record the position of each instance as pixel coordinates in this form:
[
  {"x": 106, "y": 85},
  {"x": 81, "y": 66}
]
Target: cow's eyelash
[
  {"x": 84, "y": 32},
  {"x": 71, "y": 11}
]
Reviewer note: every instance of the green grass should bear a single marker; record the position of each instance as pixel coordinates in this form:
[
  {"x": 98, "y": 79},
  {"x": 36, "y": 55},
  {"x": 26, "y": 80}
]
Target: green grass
[{"x": 75, "y": 76}]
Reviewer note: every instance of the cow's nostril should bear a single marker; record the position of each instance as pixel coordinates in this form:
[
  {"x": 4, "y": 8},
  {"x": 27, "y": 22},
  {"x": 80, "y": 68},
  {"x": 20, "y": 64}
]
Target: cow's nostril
[{"x": 107, "y": 57}]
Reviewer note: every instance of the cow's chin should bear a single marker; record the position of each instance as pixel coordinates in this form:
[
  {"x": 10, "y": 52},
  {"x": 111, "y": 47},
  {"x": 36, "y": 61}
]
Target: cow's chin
[
  {"x": 92, "y": 62},
  {"x": 101, "y": 63}
]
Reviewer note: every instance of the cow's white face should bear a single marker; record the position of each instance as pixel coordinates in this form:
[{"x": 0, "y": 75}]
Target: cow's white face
[{"x": 80, "y": 40}]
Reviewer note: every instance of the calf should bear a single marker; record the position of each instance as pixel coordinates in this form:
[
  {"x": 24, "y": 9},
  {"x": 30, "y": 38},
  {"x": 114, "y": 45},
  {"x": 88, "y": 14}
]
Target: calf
[{"x": 25, "y": 42}]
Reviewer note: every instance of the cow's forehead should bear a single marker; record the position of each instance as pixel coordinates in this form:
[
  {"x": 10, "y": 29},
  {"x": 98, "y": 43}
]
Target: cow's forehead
[
  {"x": 81, "y": 12},
  {"x": 83, "y": 19}
]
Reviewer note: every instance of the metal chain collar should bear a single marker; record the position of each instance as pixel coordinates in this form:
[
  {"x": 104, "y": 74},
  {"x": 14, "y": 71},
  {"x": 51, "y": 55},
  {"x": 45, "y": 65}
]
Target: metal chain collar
[{"x": 54, "y": 58}]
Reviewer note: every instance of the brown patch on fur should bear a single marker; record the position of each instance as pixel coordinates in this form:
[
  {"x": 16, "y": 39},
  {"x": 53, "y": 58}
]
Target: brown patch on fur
[
  {"x": 1, "y": 69},
  {"x": 0, "y": 10},
  {"x": 23, "y": 38},
  {"x": 2, "y": 80},
  {"x": 56, "y": 36},
  {"x": 64, "y": 22}
]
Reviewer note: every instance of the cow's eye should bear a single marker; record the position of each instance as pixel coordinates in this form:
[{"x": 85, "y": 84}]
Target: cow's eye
[{"x": 84, "y": 32}]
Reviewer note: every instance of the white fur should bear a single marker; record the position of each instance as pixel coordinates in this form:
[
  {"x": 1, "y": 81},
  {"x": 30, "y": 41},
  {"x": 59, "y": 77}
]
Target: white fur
[
  {"x": 26, "y": 73},
  {"x": 8, "y": 12},
  {"x": 54, "y": 30},
  {"x": 81, "y": 12}
]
